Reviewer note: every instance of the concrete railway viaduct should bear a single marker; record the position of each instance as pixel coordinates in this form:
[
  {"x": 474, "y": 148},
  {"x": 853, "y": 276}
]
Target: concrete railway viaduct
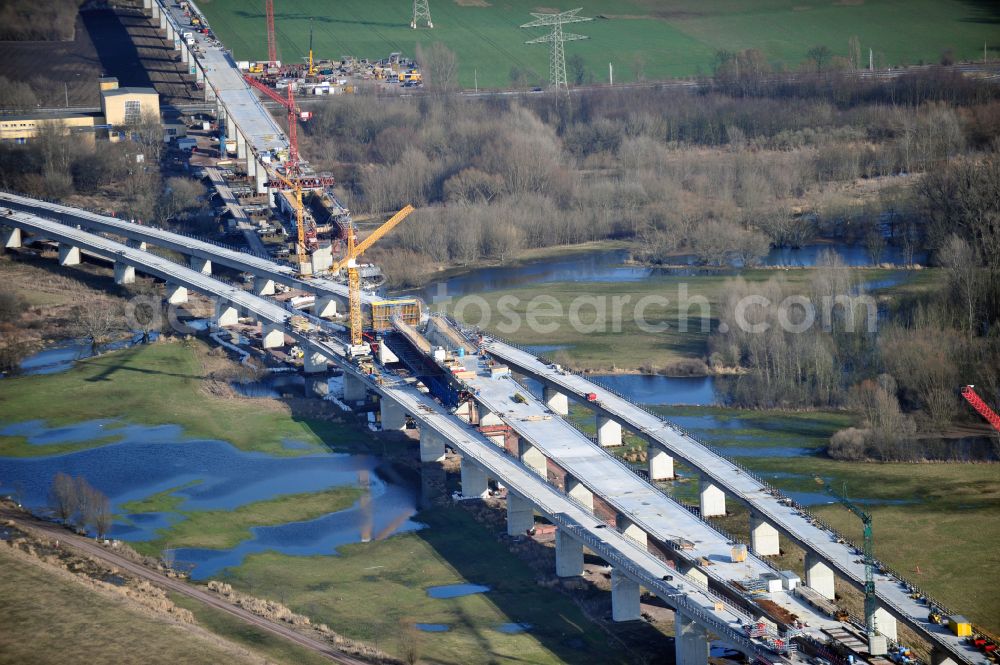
[{"x": 599, "y": 503}]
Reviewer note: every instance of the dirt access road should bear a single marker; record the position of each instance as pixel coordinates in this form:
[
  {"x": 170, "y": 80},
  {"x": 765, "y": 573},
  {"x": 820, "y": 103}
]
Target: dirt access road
[{"x": 91, "y": 548}]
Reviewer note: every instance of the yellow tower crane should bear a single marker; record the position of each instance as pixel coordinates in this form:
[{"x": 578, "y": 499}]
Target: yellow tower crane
[{"x": 350, "y": 261}]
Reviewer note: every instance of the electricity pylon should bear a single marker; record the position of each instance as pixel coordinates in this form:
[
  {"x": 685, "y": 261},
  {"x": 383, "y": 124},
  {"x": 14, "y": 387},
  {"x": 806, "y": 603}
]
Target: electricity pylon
[
  {"x": 421, "y": 11},
  {"x": 555, "y": 39}
]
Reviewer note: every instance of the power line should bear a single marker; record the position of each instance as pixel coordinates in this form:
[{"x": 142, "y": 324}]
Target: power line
[
  {"x": 555, "y": 40},
  {"x": 421, "y": 11}
]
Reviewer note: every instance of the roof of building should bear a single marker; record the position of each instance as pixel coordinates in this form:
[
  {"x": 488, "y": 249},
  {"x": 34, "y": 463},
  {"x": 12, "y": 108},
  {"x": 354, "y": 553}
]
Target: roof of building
[
  {"x": 48, "y": 115},
  {"x": 128, "y": 91}
]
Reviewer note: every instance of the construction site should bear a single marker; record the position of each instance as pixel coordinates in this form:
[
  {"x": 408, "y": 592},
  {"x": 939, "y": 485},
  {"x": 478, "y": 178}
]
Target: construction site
[{"x": 285, "y": 280}]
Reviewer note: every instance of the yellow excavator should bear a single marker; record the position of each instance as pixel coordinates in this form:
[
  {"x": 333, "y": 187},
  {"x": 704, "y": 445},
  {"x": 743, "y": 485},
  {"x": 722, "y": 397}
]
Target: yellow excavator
[{"x": 358, "y": 347}]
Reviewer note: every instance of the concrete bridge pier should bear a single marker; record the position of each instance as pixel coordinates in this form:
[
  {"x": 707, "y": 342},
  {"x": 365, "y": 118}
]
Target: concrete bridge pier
[
  {"x": 557, "y": 402},
  {"x": 391, "y": 415},
  {"x": 262, "y": 286},
  {"x": 624, "y": 598},
  {"x": 314, "y": 362},
  {"x": 11, "y": 238},
  {"x": 69, "y": 255},
  {"x": 475, "y": 484},
  {"x": 629, "y": 528},
  {"x": 764, "y": 540},
  {"x": 885, "y": 623},
  {"x": 272, "y": 335},
  {"x": 941, "y": 657},
  {"x": 520, "y": 515},
  {"x": 355, "y": 390},
  {"x": 711, "y": 499},
  {"x": 690, "y": 641},
  {"x": 176, "y": 295},
  {"x": 431, "y": 445},
  {"x": 241, "y": 143},
  {"x": 260, "y": 176},
  {"x": 569, "y": 555},
  {"x": 204, "y": 266},
  {"x": 147, "y": 4},
  {"x": 225, "y": 315},
  {"x": 577, "y": 490},
  {"x": 325, "y": 307},
  {"x": 124, "y": 273},
  {"x": 609, "y": 432},
  {"x": 695, "y": 574},
  {"x": 819, "y": 576},
  {"x": 532, "y": 457},
  {"x": 136, "y": 244},
  {"x": 171, "y": 35},
  {"x": 161, "y": 15},
  {"x": 661, "y": 464}
]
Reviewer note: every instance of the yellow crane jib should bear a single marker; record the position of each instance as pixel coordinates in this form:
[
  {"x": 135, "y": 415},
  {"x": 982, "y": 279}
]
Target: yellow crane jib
[{"x": 350, "y": 261}]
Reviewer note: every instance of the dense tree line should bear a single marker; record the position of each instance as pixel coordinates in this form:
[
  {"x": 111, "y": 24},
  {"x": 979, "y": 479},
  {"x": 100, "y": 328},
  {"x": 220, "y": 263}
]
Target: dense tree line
[
  {"x": 719, "y": 174},
  {"x": 29, "y": 20}
]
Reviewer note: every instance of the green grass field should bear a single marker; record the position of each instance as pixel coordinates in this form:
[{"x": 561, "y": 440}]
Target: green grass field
[
  {"x": 676, "y": 39},
  {"x": 54, "y": 620},
  {"x": 122, "y": 384},
  {"x": 372, "y": 591},
  {"x": 223, "y": 529},
  {"x": 603, "y": 345}
]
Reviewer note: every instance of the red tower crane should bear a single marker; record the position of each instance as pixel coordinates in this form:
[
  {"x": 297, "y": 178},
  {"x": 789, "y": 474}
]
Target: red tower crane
[
  {"x": 982, "y": 407},
  {"x": 272, "y": 44},
  {"x": 292, "y": 179}
]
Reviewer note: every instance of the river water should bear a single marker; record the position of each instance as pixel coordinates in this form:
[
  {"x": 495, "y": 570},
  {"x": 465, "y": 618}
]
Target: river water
[{"x": 140, "y": 461}]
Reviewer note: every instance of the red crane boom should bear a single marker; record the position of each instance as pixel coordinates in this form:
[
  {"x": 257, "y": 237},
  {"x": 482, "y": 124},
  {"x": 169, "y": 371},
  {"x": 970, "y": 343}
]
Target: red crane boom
[
  {"x": 289, "y": 104},
  {"x": 272, "y": 45},
  {"x": 982, "y": 407}
]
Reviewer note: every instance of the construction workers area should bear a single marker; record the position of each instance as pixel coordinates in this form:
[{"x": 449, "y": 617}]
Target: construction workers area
[{"x": 316, "y": 76}]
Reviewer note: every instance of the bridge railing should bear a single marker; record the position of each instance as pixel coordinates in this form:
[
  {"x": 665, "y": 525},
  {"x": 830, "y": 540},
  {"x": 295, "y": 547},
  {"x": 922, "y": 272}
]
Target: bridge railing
[{"x": 765, "y": 485}]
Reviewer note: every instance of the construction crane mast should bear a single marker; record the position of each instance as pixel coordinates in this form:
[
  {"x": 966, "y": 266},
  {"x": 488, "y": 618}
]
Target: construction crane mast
[
  {"x": 272, "y": 44},
  {"x": 871, "y": 603},
  {"x": 307, "y": 239},
  {"x": 355, "y": 250},
  {"x": 977, "y": 403}
]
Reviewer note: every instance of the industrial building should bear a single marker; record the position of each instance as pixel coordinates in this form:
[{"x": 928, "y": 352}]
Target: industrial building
[{"x": 119, "y": 107}]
